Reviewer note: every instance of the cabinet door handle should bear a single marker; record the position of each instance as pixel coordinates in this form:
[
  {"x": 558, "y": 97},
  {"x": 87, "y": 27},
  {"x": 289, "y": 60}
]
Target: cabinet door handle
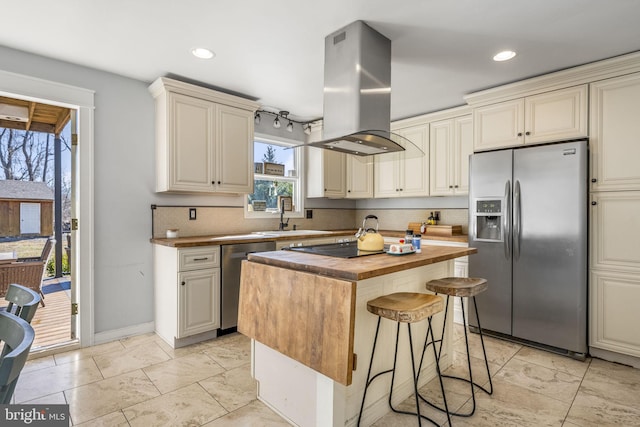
[
  {"x": 594, "y": 203},
  {"x": 183, "y": 283},
  {"x": 455, "y": 186},
  {"x": 348, "y": 191},
  {"x": 519, "y": 133},
  {"x": 594, "y": 180},
  {"x": 218, "y": 182},
  {"x": 201, "y": 259},
  {"x": 451, "y": 186},
  {"x": 527, "y": 133}
]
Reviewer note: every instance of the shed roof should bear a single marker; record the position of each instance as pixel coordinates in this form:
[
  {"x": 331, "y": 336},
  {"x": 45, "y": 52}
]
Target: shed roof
[{"x": 25, "y": 190}]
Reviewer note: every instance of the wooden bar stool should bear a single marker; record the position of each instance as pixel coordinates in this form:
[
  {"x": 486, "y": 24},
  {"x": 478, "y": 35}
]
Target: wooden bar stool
[
  {"x": 405, "y": 307},
  {"x": 462, "y": 287}
]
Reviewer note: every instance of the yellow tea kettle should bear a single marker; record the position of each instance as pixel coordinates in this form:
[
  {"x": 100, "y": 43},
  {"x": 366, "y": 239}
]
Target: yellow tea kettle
[{"x": 368, "y": 238}]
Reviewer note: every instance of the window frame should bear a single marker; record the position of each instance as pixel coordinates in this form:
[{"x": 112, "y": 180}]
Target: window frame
[{"x": 299, "y": 179}]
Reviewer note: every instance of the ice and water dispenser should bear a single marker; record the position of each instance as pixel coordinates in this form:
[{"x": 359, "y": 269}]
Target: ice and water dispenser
[{"x": 489, "y": 219}]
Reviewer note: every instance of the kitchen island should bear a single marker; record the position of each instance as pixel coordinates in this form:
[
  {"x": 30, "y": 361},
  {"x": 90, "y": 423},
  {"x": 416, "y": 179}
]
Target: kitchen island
[{"x": 312, "y": 335}]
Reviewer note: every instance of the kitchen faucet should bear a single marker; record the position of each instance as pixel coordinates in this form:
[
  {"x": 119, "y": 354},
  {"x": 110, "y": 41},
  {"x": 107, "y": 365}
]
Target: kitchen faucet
[{"x": 282, "y": 225}]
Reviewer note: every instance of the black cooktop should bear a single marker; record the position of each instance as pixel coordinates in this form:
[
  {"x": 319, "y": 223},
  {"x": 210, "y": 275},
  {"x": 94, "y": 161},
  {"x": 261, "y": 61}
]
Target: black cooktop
[{"x": 338, "y": 250}]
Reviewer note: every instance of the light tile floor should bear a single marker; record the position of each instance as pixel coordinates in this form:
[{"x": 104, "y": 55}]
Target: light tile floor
[{"x": 141, "y": 381}]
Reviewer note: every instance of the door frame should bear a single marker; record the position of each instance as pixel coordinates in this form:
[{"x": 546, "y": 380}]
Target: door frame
[{"x": 82, "y": 100}]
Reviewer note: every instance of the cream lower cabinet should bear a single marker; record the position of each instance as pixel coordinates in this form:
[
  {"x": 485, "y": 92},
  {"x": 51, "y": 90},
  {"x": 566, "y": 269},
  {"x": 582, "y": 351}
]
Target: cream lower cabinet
[
  {"x": 450, "y": 144},
  {"x": 204, "y": 139},
  {"x": 615, "y": 272},
  {"x": 187, "y": 293},
  {"x": 404, "y": 174},
  {"x": 198, "y": 301},
  {"x": 547, "y": 117},
  {"x": 615, "y": 133},
  {"x": 359, "y": 177}
]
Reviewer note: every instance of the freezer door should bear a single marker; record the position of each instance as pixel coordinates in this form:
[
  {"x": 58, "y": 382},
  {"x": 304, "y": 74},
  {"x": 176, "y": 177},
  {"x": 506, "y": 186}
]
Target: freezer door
[
  {"x": 550, "y": 245},
  {"x": 490, "y": 177}
]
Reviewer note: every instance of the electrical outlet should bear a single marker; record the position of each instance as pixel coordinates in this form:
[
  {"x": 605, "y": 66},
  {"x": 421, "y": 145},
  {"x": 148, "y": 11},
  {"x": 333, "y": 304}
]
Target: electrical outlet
[
  {"x": 192, "y": 214},
  {"x": 309, "y": 214}
]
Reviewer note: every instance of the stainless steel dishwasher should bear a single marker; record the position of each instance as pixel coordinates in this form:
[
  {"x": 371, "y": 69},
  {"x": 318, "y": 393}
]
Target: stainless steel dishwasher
[{"x": 232, "y": 256}]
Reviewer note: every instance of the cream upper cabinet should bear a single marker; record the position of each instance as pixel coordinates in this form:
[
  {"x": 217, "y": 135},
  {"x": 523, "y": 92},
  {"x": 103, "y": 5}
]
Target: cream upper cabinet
[
  {"x": 546, "y": 117},
  {"x": 359, "y": 176},
  {"x": 326, "y": 173},
  {"x": 406, "y": 173},
  {"x": 451, "y": 143},
  {"x": 326, "y": 169},
  {"x": 614, "y": 288},
  {"x": 615, "y": 133},
  {"x": 204, "y": 139},
  {"x": 233, "y": 168}
]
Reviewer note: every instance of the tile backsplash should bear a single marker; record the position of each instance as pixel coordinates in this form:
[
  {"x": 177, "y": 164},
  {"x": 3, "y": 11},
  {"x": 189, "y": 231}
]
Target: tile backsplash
[
  {"x": 230, "y": 220},
  {"x": 398, "y": 219}
]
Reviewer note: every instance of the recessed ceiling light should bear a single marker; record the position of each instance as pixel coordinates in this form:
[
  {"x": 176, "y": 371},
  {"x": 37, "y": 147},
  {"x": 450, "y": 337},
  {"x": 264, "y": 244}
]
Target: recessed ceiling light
[
  {"x": 202, "y": 53},
  {"x": 505, "y": 55}
]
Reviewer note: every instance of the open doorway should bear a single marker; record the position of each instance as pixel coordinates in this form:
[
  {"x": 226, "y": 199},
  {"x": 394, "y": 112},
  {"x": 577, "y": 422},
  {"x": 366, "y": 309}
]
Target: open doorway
[{"x": 36, "y": 201}]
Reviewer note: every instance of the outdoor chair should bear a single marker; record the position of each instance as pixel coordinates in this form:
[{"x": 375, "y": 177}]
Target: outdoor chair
[
  {"x": 23, "y": 302},
  {"x": 27, "y": 272},
  {"x": 17, "y": 336}
]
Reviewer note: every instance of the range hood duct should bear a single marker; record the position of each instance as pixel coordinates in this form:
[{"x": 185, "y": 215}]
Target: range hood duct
[{"x": 357, "y": 93}]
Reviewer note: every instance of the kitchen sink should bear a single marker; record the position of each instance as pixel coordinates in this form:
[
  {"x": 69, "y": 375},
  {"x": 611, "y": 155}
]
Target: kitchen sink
[
  {"x": 241, "y": 236},
  {"x": 279, "y": 233}
]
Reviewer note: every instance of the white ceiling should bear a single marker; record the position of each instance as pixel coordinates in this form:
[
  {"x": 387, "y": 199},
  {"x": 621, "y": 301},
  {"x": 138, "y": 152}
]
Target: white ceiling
[{"x": 272, "y": 51}]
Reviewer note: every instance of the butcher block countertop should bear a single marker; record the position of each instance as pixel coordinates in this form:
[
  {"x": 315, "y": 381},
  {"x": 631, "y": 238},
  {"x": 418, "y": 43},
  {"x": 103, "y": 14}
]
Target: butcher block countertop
[
  {"x": 361, "y": 268},
  {"x": 232, "y": 239}
]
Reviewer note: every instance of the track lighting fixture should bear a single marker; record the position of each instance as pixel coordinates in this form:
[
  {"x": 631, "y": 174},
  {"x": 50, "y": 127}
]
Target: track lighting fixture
[{"x": 306, "y": 126}]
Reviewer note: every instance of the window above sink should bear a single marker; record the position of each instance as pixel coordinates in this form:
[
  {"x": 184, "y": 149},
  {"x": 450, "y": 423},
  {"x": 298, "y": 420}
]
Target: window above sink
[{"x": 263, "y": 202}]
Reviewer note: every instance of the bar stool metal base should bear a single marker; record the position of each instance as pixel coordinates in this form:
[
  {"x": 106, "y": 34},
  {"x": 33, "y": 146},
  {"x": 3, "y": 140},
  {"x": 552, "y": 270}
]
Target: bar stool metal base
[
  {"x": 393, "y": 373},
  {"x": 470, "y": 380}
]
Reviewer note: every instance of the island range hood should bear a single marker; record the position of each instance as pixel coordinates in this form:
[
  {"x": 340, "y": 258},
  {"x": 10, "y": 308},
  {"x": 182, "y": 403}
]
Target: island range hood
[{"x": 357, "y": 93}]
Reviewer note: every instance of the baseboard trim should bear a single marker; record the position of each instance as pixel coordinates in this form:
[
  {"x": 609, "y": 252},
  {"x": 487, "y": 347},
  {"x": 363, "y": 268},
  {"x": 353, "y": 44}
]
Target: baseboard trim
[
  {"x": 117, "y": 334},
  {"x": 611, "y": 356}
]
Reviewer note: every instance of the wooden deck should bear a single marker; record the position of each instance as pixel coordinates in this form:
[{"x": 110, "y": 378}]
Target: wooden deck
[{"x": 52, "y": 323}]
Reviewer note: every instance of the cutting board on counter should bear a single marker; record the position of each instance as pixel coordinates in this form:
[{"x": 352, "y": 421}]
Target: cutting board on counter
[{"x": 436, "y": 230}]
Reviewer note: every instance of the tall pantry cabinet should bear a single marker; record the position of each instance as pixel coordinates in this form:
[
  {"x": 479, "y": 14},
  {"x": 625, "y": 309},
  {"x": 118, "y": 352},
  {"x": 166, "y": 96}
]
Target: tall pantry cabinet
[{"x": 614, "y": 292}]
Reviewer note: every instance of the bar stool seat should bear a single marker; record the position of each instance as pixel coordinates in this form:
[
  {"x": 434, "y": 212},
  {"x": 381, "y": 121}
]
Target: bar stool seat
[
  {"x": 458, "y": 286},
  {"x": 462, "y": 287},
  {"x": 404, "y": 307}
]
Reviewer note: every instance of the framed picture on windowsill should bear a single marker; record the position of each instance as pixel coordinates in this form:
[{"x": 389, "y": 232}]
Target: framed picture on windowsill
[{"x": 288, "y": 203}]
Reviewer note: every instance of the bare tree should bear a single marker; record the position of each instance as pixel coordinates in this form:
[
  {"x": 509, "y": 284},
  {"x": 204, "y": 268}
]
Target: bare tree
[{"x": 8, "y": 148}]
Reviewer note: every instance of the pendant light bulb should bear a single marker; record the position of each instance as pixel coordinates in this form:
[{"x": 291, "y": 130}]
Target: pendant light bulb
[
  {"x": 256, "y": 118},
  {"x": 276, "y": 123},
  {"x": 290, "y": 127},
  {"x": 307, "y": 129}
]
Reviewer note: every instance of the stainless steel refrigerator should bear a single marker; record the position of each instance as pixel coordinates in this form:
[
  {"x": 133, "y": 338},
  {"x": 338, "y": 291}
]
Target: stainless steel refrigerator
[{"x": 528, "y": 220}]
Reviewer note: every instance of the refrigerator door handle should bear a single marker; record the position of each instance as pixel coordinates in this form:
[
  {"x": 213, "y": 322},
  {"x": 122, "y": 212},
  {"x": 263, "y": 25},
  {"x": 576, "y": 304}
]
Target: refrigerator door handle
[
  {"x": 506, "y": 221},
  {"x": 517, "y": 226}
]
